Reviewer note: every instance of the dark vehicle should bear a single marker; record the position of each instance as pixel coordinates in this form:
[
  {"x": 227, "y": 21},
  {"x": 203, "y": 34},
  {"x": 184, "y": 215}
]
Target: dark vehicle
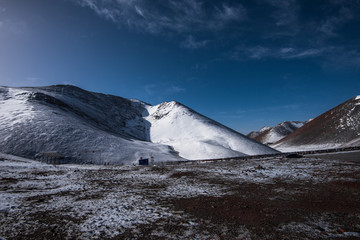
[{"x": 144, "y": 162}]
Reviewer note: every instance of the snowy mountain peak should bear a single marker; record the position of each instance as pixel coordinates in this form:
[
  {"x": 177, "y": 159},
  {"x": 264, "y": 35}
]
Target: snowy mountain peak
[
  {"x": 195, "y": 136},
  {"x": 264, "y": 129},
  {"x": 269, "y": 135}
]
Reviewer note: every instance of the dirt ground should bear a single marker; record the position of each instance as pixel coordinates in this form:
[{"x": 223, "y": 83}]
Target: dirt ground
[{"x": 272, "y": 198}]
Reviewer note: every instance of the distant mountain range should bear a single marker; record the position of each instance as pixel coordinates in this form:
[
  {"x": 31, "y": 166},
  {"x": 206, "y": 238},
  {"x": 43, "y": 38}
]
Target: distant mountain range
[
  {"x": 98, "y": 128},
  {"x": 270, "y": 135}
]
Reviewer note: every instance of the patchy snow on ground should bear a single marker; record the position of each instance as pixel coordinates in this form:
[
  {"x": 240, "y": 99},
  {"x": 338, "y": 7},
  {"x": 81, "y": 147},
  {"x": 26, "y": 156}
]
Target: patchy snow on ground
[
  {"x": 291, "y": 148},
  {"x": 95, "y": 202}
]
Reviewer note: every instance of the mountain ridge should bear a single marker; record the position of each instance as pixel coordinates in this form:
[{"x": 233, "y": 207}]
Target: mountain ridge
[
  {"x": 337, "y": 127},
  {"x": 96, "y": 127}
]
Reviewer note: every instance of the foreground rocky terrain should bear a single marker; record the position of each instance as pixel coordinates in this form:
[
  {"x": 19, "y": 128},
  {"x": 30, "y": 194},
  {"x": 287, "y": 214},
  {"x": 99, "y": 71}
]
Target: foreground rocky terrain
[{"x": 314, "y": 197}]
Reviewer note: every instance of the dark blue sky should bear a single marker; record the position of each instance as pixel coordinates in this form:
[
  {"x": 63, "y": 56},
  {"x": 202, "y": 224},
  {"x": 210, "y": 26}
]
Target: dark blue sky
[{"x": 246, "y": 63}]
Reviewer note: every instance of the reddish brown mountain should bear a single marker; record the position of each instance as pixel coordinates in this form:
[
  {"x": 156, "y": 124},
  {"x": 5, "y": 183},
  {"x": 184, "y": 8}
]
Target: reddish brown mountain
[{"x": 337, "y": 127}]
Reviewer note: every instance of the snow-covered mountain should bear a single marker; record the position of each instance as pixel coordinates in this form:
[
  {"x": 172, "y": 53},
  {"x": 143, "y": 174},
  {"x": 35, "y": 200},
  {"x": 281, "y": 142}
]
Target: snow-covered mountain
[
  {"x": 269, "y": 135},
  {"x": 338, "y": 127},
  {"x": 195, "y": 136},
  {"x": 98, "y": 128},
  {"x": 90, "y": 127},
  {"x": 254, "y": 134}
]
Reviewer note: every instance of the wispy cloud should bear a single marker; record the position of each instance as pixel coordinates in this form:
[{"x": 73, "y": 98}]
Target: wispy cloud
[
  {"x": 279, "y": 29},
  {"x": 174, "y": 15},
  {"x": 262, "y": 52}
]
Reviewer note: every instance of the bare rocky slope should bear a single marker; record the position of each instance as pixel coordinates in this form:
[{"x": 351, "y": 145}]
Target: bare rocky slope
[
  {"x": 338, "y": 127},
  {"x": 98, "y": 128}
]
